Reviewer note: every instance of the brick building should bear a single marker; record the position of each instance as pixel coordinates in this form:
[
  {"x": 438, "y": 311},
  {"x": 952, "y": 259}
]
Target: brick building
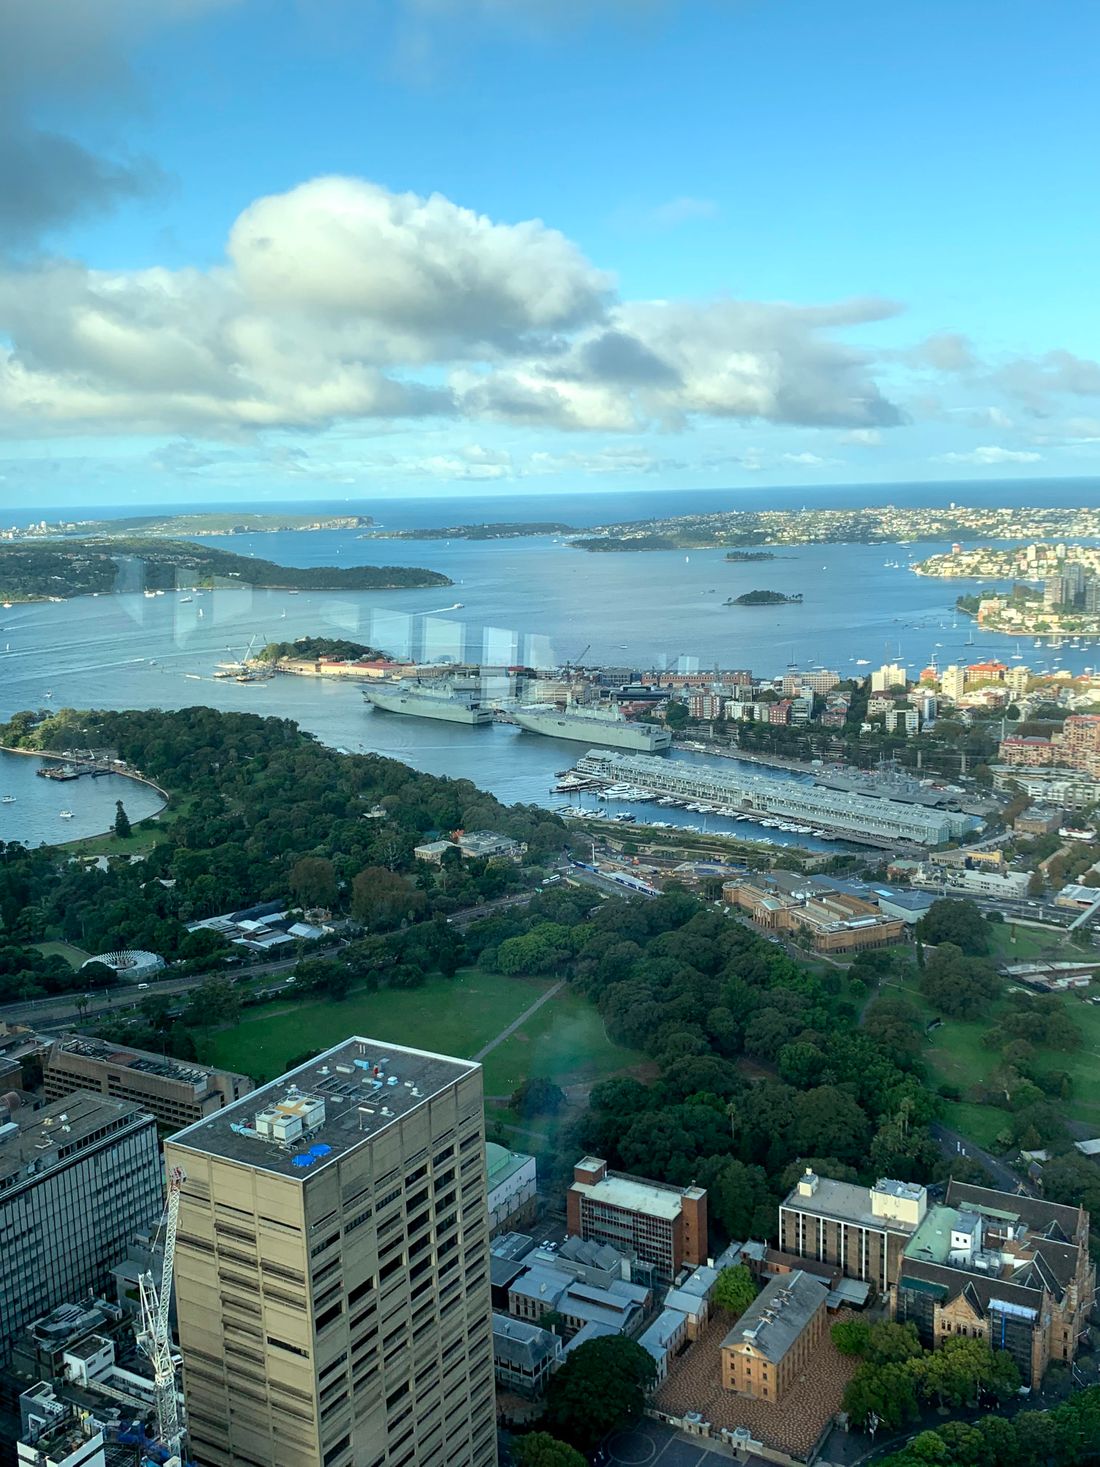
[
  {"x": 771, "y": 1344},
  {"x": 664, "y": 1226}
]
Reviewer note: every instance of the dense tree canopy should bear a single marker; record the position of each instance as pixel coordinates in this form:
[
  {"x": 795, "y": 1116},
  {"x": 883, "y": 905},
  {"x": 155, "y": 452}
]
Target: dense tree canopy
[{"x": 601, "y": 1386}]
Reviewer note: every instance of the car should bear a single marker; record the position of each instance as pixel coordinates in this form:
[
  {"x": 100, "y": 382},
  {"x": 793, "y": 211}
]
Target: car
[{"x": 143, "y": 985}]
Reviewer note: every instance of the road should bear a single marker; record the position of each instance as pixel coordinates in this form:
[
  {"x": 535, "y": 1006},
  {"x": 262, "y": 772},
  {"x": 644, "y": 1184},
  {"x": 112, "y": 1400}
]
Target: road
[
  {"x": 954, "y": 1143},
  {"x": 53, "y": 1013}
]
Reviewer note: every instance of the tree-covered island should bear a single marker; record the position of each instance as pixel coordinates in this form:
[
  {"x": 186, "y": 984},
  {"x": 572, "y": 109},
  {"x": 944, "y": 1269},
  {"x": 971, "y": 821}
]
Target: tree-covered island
[{"x": 764, "y": 598}]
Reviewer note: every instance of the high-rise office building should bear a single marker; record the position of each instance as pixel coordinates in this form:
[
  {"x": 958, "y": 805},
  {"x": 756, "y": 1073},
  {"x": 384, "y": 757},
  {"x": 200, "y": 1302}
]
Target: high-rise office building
[
  {"x": 77, "y": 1180},
  {"x": 332, "y": 1267}
]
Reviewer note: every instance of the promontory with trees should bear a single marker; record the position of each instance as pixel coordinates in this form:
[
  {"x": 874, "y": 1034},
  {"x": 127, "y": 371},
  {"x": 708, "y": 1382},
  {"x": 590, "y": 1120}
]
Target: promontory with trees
[{"x": 60, "y": 570}]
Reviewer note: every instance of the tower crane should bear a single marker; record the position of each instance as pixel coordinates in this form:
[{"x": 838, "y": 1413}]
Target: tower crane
[{"x": 154, "y": 1337}]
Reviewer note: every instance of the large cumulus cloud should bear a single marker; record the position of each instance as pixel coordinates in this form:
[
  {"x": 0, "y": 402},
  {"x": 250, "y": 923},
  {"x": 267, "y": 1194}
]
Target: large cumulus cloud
[{"x": 340, "y": 300}]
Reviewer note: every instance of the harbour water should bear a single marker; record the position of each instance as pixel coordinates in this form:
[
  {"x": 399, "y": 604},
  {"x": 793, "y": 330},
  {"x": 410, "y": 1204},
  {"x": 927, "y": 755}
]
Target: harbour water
[
  {"x": 526, "y": 600},
  {"x": 35, "y": 816}
]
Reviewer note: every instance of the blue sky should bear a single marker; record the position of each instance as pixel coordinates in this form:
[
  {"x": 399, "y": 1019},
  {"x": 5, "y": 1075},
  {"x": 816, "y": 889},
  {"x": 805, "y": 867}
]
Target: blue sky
[{"x": 376, "y": 247}]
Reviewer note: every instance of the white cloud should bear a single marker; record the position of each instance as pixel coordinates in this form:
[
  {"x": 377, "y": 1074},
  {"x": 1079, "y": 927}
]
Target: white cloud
[
  {"x": 946, "y": 351},
  {"x": 991, "y": 454},
  {"x": 683, "y": 210},
  {"x": 806, "y": 460},
  {"x": 341, "y": 301},
  {"x": 865, "y": 437}
]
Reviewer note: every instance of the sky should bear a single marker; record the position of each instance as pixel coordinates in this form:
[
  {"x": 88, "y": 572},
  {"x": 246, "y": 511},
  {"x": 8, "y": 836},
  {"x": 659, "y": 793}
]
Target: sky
[{"x": 277, "y": 249}]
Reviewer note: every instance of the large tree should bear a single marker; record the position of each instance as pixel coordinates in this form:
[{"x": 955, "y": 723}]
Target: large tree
[
  {"x": 602, "y": 1385},
  {"x": 735, "y": 1289},
  {"x": 955, "y": 920},
  {"x": 540, "y": 1449}
]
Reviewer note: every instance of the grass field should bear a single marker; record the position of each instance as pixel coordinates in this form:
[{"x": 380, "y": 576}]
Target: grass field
[
  {"x": 956, "y": 1054},
  {"x": 564, "y": 1040},
  {"x": 74, "y": 956},
  {"x": 1014, "y": 943}
]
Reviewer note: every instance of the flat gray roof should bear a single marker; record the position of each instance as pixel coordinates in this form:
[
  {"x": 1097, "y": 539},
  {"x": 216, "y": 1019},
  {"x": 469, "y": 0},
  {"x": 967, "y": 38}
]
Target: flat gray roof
[
  {"x": 845, "y": 1202},
  {"x": 358, "y": 1105},
  {"x": 48, "y": 1137}
]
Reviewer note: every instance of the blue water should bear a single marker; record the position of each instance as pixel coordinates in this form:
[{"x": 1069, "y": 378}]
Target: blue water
[
  {"x": 533, "y": 601},
  {"x": 35, "y": 817}
]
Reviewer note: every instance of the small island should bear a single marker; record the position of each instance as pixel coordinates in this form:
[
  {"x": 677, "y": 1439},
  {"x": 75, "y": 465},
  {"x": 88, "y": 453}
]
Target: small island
[
  {"x": 741, "y": 556},
  {"x": 764, "y": 598},
  {"x": 504, "y": 530},
  {"x": 62, "y": 570},
  {"x": 320, "y": 649}
]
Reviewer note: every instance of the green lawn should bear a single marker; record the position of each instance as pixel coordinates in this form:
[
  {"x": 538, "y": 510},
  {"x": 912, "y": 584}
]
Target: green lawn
[
  {"x": 1013, "y": 943},
  {"x": 563, "y": 1041},
  {"x": 956, "y": 1054},
  {"x": 74, "y": 956}
]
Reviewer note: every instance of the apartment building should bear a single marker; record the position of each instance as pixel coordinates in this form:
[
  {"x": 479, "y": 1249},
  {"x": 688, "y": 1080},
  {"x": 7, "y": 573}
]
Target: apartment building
[
  {"x": 663, "y": 1226},
  {"x": 332, "y": 1267},
  {"x": 771, "y": 1344},
  {"x": 863, "y": 1231},
  {"x": 177, "y": 1092},
  {"x": 77, "y": 1179},
  {"x": 1012, "y": 1271}
]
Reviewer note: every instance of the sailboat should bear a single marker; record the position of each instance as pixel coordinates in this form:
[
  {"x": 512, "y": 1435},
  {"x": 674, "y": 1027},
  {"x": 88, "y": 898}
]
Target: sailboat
[{"x": 1017, "y": 655}]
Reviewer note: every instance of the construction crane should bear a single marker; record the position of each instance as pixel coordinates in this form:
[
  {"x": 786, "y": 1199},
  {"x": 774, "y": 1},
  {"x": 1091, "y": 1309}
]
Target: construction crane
[{"x": 154, "y": 1337}]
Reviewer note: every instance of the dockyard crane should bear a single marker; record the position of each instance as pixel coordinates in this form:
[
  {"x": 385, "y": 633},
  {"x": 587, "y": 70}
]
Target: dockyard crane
[{"x": 154, "y": 1337}]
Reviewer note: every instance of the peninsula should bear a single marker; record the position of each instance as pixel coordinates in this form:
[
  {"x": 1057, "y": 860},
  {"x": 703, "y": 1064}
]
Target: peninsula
[
  {"x": 505, "y": 530},
  {"x": 60, "y": 571},
  {"x": 883, "y": 524},
  {"x": 202, "y": 524},
  {"x": 764, "y": 598}
]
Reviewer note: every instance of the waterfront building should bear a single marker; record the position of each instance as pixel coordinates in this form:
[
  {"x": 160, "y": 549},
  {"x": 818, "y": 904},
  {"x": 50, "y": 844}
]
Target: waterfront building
[
  {"x": 1012, "y": 1271},
  {"x": 863, "y": 1231},
  {"x": 889, "y": 675},
  {"x": 816, "y": 680},
  {"x": 177, "y": 1092},
  {"x": 705, "y": 705},
  {"x": 866, "y": 813},
  {"x": 77, "y": 1179},
  {"x": 664, "y": 1226},
  {"x": 332, "y": 1267},
  {"x": 771, "y": 1344}
]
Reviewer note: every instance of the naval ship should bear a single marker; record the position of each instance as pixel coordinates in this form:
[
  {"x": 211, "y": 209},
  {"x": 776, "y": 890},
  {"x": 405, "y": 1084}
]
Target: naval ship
[
  {"x": 441, "y": 700},
  {"x": 601, "y": 727}
]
